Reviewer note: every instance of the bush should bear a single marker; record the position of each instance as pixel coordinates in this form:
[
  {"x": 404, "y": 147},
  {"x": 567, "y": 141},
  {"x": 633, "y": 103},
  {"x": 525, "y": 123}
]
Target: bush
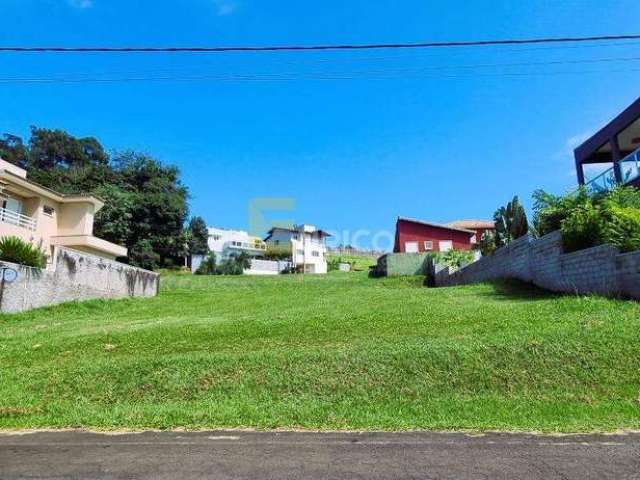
[
  {"x": 511, "y": 223},
  {"x": 234, "y": 265},
  {"x": 16, "y": 250},
  {"x": 590, "y": 220},
  {"x": 453, "y": 258},
  {"x": 333, "y": 263},
  {"x": 208, "y": 265},
  {"x": 487, "y": 244}
]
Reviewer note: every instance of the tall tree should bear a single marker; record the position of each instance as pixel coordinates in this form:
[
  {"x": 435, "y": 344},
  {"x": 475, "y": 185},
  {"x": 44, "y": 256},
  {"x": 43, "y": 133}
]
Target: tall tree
[
  {"x": 13, "y": 150},
  {"x": 66, "y": 163},
  {"x": 198, "y": 236},
  {"x": 511, "y": 222}
]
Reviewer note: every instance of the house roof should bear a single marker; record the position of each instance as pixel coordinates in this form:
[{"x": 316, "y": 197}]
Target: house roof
[
  {"x": 472, "y": 224},
  {"x": 436, "y": 225},
  {"x": 293, "y": 230},
  {"x": 35, "y": 188}
]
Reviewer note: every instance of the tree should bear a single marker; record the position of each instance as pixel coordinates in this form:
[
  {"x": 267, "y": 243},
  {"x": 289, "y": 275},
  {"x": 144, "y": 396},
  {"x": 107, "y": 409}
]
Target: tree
[
  {"x": 145, "y": 202},
  {"x": 198, "y": 236},
  {"x": 208, "y": 265},
  {"x": 511, "y": 222},
  {"x": 13, "y": 150},
  {"x": 65, "y": 163},
  {"x": 159, "y": 203}
]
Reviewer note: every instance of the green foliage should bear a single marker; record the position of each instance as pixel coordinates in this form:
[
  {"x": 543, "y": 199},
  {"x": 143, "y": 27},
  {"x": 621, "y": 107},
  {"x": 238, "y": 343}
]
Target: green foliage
[
  {"x": 550, "y": 210},
  {"x": 590, "y": 220},
  {"x": 13, "y": 150},
  {"x": 234, "y": 265},
  {"x": 16, "y": 250},
  {"x": 208, "y": 265},
  {"x": 198, "y": 236},
  {"x": 143, "y": 255},
  {"x": 511, "y": 222},
  {"x": 487, "y": 244},
  {"x": 145, "y": 202},
  {"x": 453, "y": 258},
  {"x": 277, "y": 253}
]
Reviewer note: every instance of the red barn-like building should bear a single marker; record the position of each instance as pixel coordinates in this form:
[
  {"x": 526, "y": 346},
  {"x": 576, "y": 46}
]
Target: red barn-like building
[{"x": 416, "y": 236}]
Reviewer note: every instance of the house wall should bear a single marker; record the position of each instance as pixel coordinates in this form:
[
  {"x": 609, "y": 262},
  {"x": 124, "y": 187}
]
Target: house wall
[
  {"x": 415, "y": 232},
  {"x": 76, "y": 276},
  {"x": 601, "y": 270}
]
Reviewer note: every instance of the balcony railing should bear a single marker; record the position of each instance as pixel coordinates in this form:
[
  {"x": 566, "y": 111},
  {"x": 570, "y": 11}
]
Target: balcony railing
[
  {"x": 630, "y": 168},
  {"x": 247, "y": 245},
  {"x": 15, "y": 218}
]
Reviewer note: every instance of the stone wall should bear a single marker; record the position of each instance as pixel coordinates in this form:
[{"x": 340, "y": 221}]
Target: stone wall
[
  {"x": 602, "y": 270},
  {"x": 75, "y": 276}
]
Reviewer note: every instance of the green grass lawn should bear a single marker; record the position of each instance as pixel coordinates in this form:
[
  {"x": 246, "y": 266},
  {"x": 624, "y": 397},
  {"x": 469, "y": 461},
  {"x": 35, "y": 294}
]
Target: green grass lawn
[{"x": 340, "y": 351}]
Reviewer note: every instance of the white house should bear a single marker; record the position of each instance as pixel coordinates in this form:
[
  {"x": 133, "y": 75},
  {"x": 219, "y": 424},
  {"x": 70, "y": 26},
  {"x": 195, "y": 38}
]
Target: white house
[
  {"x": 305, "y": 243},
  {"x": 225, "y": 243}
]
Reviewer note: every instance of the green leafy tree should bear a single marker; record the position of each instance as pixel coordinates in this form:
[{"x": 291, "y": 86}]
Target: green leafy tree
[
  {"x": 198, "y": 236},
  {"x": 511, "y": 222},
  {"x": 13, "y": 150},
  {"x": 65, "y": 163},
  {"x": 145, "y": 201},
  {"x": 143, "y": 255}
]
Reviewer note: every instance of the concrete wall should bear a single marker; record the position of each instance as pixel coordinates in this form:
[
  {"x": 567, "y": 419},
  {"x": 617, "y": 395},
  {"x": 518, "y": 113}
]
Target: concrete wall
[
  {"x": 602, "y": 270},
  {"x": 396, "y": 264},
  {"x": 75, "y": 276}
]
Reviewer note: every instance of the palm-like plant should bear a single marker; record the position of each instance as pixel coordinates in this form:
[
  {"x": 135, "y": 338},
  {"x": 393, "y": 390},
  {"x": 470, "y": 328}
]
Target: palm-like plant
[
  {"x": 511, "y": 222},
  {"x": 16, "y": 250}
]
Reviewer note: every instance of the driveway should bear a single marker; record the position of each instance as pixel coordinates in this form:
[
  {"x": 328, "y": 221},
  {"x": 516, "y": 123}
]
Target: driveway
[{"x": 240, "y": 455}]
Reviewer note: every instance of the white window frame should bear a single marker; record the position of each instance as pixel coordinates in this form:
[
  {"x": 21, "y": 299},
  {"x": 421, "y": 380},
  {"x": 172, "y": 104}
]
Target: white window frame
[
  {"x": 428, "y": 245},
  {"x": 411, "y": 250},
  {"x": 448, "y": 243}
]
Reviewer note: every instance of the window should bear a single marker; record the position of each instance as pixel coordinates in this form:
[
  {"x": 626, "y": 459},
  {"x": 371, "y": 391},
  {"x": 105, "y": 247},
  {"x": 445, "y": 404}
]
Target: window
[
  {"x": 48, "y": 211},
  {"x": 315, "y": 254},
  {"x": 216, "y": 237},
  {"x": 411, "y": 247},
  {"x": 474, "y": 239},
  {"x": 428, "y": 245},
  {"x": 446, "y": 245},
  {"x": 300, "y": 252}
]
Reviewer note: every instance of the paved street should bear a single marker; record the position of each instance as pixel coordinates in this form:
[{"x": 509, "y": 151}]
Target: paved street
[{"x": 226, "y": 455}]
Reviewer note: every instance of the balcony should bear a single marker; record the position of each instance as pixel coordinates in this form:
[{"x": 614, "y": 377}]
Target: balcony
[
  {"x": 17, "y": 219},
  {"x": 630, "y": 169},
  {"x": 251, "y": 247}
]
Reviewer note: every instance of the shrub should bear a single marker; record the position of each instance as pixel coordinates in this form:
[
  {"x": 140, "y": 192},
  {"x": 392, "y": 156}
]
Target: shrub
[
  {"x": 208, "y": 265},
  {"x": 453, "y": 258},
  {"x": 591, "y": 220},
  {"x": 487, "y": 244},
  {"x": 16, "y": 250}
]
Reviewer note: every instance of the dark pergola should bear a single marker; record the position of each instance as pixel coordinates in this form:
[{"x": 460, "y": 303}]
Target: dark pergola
[{"x": 612, "y": 143}]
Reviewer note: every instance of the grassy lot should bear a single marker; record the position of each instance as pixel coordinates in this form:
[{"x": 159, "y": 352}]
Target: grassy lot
[
  {"x": 336, "y": 352},
  {"x": 360, "y": 263}
]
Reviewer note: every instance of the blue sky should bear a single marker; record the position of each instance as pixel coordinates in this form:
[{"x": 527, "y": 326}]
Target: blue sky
[{"x": 356, "y": 138}]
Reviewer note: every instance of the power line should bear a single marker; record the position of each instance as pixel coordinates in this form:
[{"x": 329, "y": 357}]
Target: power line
[{"x": 303, "y": 48}]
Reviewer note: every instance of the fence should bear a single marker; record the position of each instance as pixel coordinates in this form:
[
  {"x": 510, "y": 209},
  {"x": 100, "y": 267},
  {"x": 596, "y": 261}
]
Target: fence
[{"x": 602, "y": 270}]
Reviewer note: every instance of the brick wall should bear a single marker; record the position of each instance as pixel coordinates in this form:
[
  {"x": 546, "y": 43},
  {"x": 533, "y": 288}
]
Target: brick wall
[
  {"x": 602, "y": 270},
  {"x": 75, "y": 276}
]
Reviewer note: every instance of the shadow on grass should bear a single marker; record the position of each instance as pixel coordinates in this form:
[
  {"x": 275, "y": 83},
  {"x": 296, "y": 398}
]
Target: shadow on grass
[{"x": 519, "y": 291}]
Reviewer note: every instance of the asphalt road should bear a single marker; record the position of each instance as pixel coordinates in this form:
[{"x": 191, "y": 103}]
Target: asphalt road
[{"x": 226, "y": 455}]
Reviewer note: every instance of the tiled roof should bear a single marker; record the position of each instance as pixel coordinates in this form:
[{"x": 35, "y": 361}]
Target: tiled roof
[
  {"x": 437, "y": 225},
  {"x": 472, "y": 224}
]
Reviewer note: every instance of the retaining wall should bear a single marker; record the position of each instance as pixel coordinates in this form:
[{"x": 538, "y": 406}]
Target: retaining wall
[
  {"x": 602, "y": 270},
  {"x": 75, "y": 276},
  {"x": 395, "y": 264}
]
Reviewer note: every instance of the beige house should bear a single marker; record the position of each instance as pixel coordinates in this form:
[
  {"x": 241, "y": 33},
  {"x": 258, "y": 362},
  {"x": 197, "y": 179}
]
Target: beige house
[{"x": 47, "y": 218}]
